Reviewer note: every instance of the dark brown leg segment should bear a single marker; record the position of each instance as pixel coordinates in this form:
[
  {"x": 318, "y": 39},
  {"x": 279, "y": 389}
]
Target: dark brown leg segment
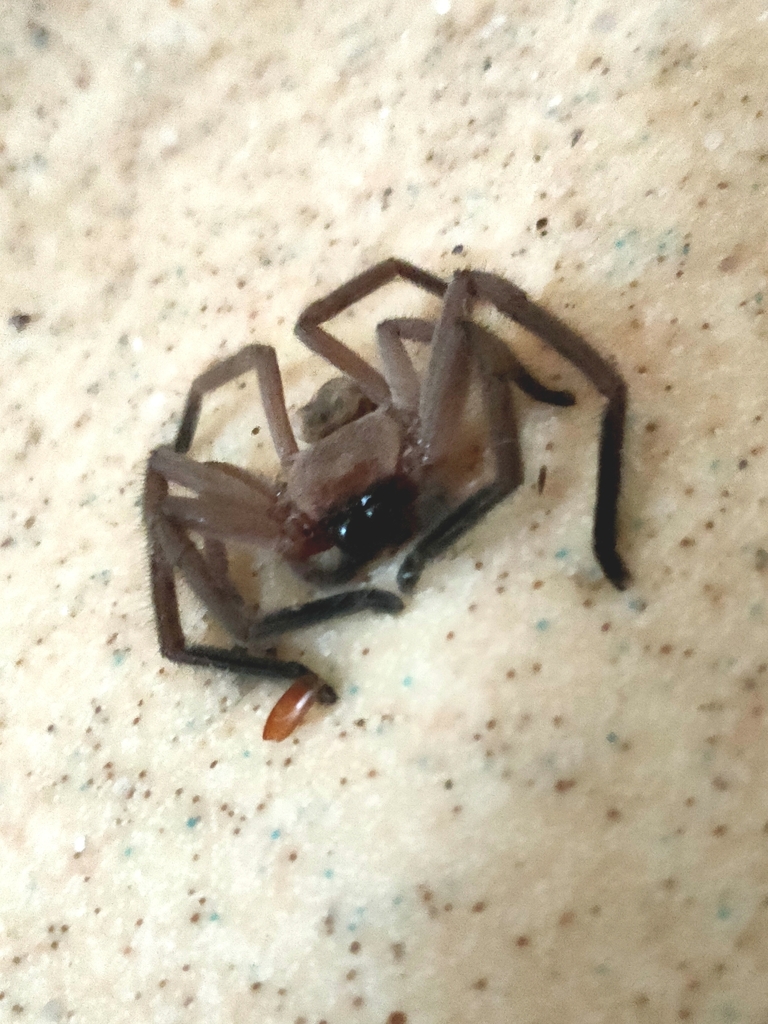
[
  {"x": 514, "y": 303},
  {"x": 508, "y": 366},
  {"x": 173, "y": 644},
  {"x": 263, "y": 360},
  {"x": 172, "y": 550},
  {"x": 398, "y": 368},
  {"x": 505, "y": 444},
  {"x": 308, "y": 328}
]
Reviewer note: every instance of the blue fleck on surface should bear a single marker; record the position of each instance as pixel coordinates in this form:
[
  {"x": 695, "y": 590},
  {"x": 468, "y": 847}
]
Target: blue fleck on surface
[
  {"x": 542, "y": 625},
  {"x": 612, "y": 737},
  {"x": 724, "y": 912},
  {"x": 275, "y": 834},
  {"x": 408, "y": 681},
  {"x": 191, "y": 822}
]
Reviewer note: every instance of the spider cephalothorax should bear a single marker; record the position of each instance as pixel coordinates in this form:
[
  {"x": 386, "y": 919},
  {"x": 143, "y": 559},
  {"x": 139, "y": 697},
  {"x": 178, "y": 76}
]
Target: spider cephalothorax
[{"x": 382, "y": 465}]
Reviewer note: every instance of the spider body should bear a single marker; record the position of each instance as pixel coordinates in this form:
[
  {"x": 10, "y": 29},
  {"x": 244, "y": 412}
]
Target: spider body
[{"x": 384, "y": 463}]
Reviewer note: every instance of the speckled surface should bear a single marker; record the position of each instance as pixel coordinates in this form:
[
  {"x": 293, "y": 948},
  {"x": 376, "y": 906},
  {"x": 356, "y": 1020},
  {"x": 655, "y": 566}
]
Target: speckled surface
[{"x": 539, "y": 799}]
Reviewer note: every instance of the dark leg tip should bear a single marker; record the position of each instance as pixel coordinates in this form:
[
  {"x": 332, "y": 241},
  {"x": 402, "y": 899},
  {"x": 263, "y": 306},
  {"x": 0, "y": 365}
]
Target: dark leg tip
[
  {"x": 384, "y": 601},
  {"x": 615, "y": 570},
  {"x": 326, "y": 695},
  {"x": 409, "y": 573}
]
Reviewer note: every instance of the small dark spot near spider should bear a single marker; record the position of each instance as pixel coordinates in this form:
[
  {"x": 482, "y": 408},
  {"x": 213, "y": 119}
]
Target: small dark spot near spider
[
  {"x": 448, "y": 784},
  {"x": 522, "y": 941},
  {"x": 487, "y": 64},
  {"x": 743, "y": 463},
  {"x": 563, "y": 785},
  {"x": 20, "y": 321},
  {"x": 255, "y": 431},
  {"x": 576, "y": 136},
  {"x": 354, "y": 947},
  {"x": 541, "y": 224},
  {"x": 457, "y": 250}
]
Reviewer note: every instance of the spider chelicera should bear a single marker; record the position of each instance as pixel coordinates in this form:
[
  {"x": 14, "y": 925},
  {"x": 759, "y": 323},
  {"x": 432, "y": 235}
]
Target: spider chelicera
[{"x": 380, "y": 468}]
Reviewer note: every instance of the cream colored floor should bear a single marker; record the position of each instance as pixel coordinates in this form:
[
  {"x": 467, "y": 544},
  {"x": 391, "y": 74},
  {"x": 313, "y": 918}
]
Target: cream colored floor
[{"x": 538, "y": 800}]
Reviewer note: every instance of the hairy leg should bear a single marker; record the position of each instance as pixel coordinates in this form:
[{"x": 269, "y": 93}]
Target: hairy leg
[
  {"x": 503, "y": 363},
  {"x": 322, "y": 342},
  {"x": 505, "y": 446},
  {"x": 398, "y": 369},
  {"x": 263, "y": 360},
  {"x": 514, "y": 303}
]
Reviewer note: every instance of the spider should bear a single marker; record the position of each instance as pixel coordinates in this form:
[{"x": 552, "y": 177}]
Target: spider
[{"x": 381, "y": 467}]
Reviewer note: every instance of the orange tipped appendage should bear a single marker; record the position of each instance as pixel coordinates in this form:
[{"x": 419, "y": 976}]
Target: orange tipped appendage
[{"x": 292, "y": 708}]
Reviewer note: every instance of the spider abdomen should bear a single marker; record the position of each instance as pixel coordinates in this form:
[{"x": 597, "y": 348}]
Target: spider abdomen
[{"x": 383, "y": 517}]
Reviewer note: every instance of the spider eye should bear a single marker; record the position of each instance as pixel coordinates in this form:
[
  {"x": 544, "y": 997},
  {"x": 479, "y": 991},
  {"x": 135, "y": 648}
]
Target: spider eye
[{"x": 382, "y": 518}]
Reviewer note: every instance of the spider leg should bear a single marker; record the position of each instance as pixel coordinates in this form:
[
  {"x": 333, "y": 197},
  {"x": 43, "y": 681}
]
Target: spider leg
[
  {"x": 514, "y": 303},
  {"x": 505, "y": 445},
  {"x": 172, "y": 550},
  {"x": 401, "y": 375},
  {"x": 507, "y": 365},
  {"x": 173, "y": 644},
  {"x": 316, "y": 338},
  {"x": 263, "y": 360},
  {"x": 447, "y": 379},
  {"x": 398, "y": 369}
]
